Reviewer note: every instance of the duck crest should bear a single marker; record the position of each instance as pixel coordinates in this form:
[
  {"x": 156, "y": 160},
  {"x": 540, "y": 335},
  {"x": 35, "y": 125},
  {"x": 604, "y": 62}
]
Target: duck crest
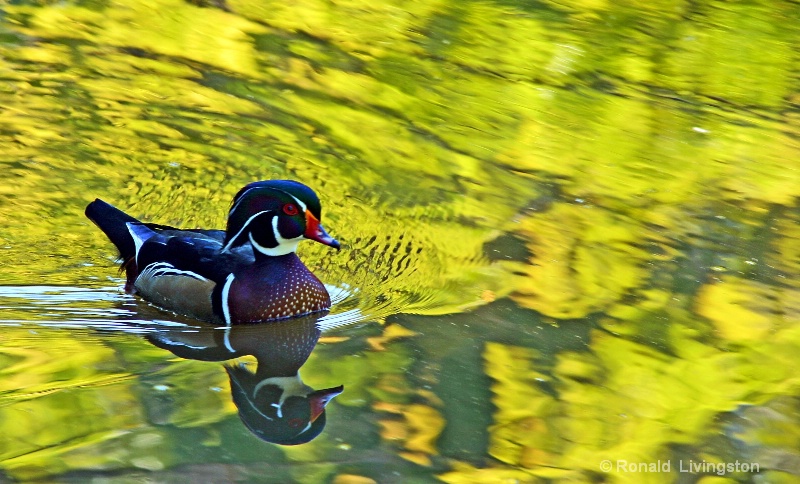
[
  {"x": 267, "y": 200},
  {"x": 246, "y": 274}
]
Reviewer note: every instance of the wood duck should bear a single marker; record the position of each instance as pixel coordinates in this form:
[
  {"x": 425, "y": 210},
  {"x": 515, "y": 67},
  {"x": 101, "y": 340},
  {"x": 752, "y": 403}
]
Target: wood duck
[
  {"x": 273, "y": 402},
  {"x": 248, "y": 273}
]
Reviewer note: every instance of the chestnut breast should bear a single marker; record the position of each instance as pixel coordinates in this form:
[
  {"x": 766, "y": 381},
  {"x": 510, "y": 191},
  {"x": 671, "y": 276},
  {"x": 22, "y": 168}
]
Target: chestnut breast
[{"x": 275, "y": 288}]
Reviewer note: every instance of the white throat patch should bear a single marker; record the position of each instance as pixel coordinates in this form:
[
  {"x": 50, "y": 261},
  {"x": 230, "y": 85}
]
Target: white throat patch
[{"x": 285, "y": 246}]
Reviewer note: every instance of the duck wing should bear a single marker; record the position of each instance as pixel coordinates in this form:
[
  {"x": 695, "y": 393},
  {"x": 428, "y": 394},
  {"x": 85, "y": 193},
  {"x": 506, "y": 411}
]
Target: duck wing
[{"x": 180, "y": 269}]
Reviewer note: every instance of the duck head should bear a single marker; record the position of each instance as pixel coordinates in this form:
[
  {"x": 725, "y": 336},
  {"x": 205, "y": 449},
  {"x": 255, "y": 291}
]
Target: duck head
[
  {"x": 274, "y": 216},
  {"x": 281, "y": 410}
]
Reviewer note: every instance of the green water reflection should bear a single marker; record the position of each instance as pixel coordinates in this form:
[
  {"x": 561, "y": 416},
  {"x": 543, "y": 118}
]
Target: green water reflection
[{"x": 571, "y": 233}]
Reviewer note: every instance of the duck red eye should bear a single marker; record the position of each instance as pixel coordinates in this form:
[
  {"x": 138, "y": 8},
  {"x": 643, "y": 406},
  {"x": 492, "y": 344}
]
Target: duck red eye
[
  {"x": 290, "y": 209},
  {"x": 295, "y": 423}
]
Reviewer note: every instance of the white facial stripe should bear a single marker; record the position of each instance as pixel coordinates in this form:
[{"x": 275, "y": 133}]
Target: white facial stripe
[
  {"x": 291, "y": 386},
  {"x": 302, "y": 205},
  {"x": 241, "y": 197},
  {"x": 279, "y": 406},
  {"x": 258, "y": 410},
  {"x": 226, "y": 310},
  {"x": 285, "y": 246},
  {"x": 279, "y": 237},
  {"x": 228, "y": 245},
  {"x": 250, "y": 402}
]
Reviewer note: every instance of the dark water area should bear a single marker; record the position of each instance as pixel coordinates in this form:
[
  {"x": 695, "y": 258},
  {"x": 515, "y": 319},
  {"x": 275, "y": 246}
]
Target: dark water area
[{"x": 570, "y": 240}]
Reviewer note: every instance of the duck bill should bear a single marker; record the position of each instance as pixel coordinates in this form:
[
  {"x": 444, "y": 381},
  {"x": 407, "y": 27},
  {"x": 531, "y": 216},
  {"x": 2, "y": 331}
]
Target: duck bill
[
  {"x": 314, "y": 231},
  {"x": 320, "y": 398}
]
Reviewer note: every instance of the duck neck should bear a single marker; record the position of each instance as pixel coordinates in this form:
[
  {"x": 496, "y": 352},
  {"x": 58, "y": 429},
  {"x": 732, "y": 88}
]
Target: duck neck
[{"x": 284, "y": 259}]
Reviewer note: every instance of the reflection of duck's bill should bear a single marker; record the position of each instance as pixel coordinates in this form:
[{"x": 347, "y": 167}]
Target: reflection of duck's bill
[{"x": 320, "y": 398}]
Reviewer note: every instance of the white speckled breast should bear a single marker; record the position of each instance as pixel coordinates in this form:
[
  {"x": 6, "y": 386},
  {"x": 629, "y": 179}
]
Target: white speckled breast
[{"x": 277, "y": 288}]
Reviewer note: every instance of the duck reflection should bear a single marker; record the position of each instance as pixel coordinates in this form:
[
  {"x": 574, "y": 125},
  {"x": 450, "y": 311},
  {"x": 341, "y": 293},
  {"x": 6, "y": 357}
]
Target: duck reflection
[{"x": 273, "y": 401}]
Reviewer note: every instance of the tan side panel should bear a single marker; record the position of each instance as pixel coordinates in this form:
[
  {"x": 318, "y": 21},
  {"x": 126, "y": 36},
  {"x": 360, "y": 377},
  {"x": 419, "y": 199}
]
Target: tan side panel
[{"x": 184, "y": 295}]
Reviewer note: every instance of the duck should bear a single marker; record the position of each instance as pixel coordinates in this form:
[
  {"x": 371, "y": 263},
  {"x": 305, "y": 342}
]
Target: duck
[
  {"x": 273, "y": 402},
  {"x": 247, "y": 273}
]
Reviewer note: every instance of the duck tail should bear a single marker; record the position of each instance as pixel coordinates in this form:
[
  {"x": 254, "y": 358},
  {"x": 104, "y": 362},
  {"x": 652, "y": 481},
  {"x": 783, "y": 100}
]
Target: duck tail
[{"x": 114, "y": 223}]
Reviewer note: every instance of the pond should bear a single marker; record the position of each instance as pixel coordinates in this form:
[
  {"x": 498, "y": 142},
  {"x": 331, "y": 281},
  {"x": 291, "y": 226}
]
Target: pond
[{"x": 570, "y": 239}]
